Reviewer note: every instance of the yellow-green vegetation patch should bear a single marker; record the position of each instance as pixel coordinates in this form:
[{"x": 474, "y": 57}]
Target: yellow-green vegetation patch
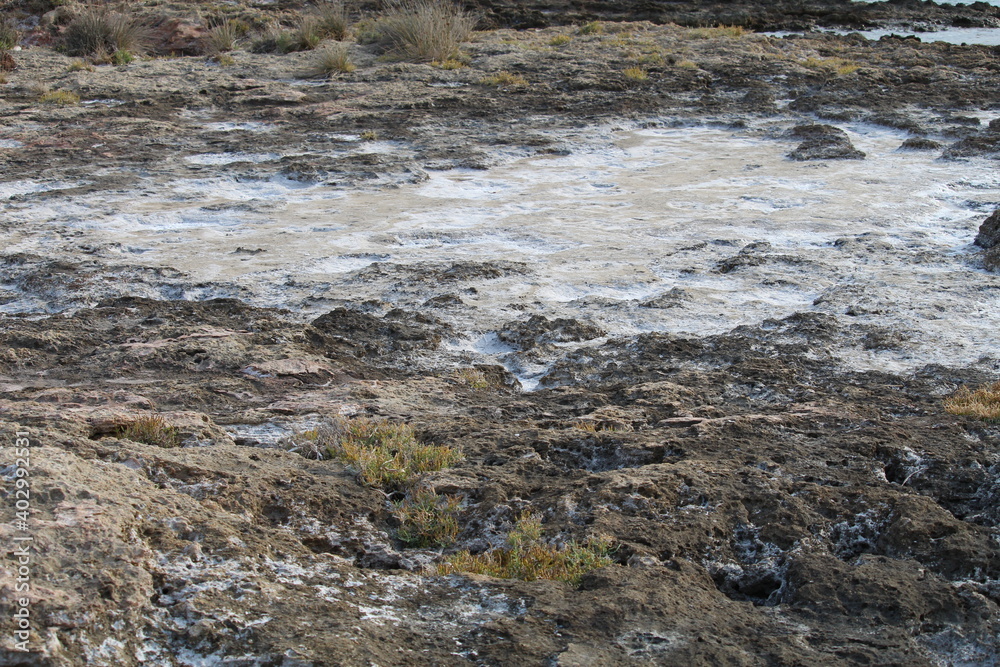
[
  {"x": 64, "y": 97},
  {"x": 592, "y": 28},
  {"x": 725, "y": 31},
  {"x": 80, "y": 66},
  {"x": 122, "y": 57},
  {"x": 472, "y": 377},
  {"x": 527, "y": 557},
  {"x": 687, "y": 64},
  {"x": 636, "y": 74},
  {"x": 838, "y": 66},
  {"x": 560, "y": 40},
  {"x": 369, "y": 135},
  {"x": 982, "y": 403},
  {"x": 150, "y": 430},
  {"x": 596, "y": 427},
  {"x": 449, "y": 64},
  {"x": 387, "y": 454},
  {"x": 504, "y": 78},
  {"x": 427, "y": 519}
]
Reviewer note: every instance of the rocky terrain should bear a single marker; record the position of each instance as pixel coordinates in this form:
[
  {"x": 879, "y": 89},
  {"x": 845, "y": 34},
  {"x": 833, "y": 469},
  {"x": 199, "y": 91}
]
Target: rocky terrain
[{"x": 764, "y": 502}]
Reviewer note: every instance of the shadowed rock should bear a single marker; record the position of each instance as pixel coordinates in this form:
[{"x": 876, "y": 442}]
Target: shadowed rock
[{"x": 823, "y": 142}]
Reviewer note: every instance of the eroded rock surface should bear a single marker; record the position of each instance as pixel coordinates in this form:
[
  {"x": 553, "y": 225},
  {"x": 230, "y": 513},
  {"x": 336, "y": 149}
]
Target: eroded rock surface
[{"x": 767, "y": 503}]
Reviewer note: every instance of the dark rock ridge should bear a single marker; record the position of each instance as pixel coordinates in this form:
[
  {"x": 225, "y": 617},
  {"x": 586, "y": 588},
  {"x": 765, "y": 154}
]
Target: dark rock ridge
[
  {"x": 988, "y": 238},
  {"x": 823, "y": 142}
]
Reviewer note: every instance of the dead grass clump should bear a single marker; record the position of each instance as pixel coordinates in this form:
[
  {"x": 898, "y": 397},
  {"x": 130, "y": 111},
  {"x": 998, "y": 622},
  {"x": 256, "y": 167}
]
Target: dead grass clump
[
  {"x": 526, "y": 557},
  {"x": 427, "y": 519},
  {"x": 838, "y": 66},
  {"x": 100, "y": 32},
  {"x": 151, "y": 430},
  {"x": 982, "y": 403},
  {"x": 424, "y": 30},
  {"x": 728, "y": 31},
  {"x": 304, "y": 36}
]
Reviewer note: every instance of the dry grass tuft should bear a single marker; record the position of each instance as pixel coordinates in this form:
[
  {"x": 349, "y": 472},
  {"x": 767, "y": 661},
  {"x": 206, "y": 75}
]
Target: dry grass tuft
[
  {"x": 982, "y": 403},
  {"x": 331, "y": 60},
  {"x": 332, "y": 21},
  {"x": 592, "y": 28},
  {"x": 100, "y": 32},
  {"x": 727, "y": 31},
  {"x": 560, "y": 40},
  {"x": 838, "y": 66},
  {"x": 526, "y": 557},
  {"x": 151, "y": 430},
  {"x": 424, "y": 30},
  {"x": 225, "y": 36}
]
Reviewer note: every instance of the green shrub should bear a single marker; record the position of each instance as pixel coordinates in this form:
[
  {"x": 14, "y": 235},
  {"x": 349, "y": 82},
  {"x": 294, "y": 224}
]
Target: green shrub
[
  {"x": 99, "y": 32},
  {"x": 424, "y": 30},
  {"x": 560, "y": 40},
  {"x": 592, "y": 28},
  {"x": 527, "y": 557},
  {"x": 384, "y": 454},
  {"x": 427, "y": 519},
  {"x": 121, "y": 57},
  {"x": 9, "y": 36}
]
